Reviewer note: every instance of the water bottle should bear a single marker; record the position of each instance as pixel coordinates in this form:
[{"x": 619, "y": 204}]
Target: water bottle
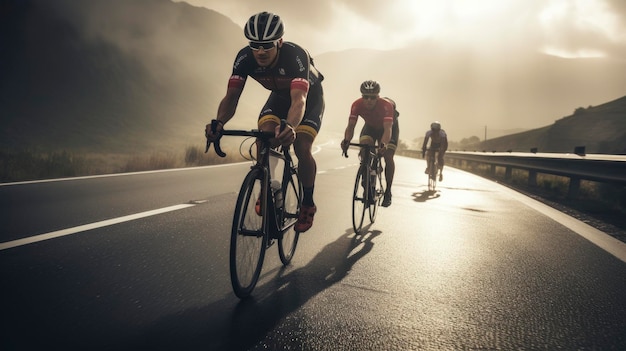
[{"x": 277, "y": 191}]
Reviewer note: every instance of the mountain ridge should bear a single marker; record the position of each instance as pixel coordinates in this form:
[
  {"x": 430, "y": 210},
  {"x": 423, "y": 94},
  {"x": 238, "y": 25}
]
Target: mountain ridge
[
  {"x": 141, "y": 75},
  {"x": 599, "y": 129}
]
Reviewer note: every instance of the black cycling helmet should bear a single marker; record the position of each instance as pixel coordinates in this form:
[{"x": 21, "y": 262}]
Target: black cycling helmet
[
  {"x": 435, "y": 126},
  {"x": 264, "y": 26},
  {"x": 370, "y": 87}
]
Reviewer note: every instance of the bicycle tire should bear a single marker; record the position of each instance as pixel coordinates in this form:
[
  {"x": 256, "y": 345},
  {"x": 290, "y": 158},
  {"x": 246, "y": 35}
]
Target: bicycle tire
[
  {"x": 378, "y": 193},
  {"x": 292, "y": 203},
  {"x": 359, "y": 200},
  {"x": 248, "y": 240},
  {"x": 432, "y": 174}
]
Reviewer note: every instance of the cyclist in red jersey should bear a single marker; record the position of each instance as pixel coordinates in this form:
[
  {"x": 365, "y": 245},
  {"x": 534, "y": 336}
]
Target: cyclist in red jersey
[
  {"x": 287, "y": 70},
  {"x": 381, "y": 123},
  {"x": 438, "y": 142}
]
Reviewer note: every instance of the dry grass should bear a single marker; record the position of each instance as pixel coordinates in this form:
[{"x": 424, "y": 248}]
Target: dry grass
[{"x": 31, "y": 165}]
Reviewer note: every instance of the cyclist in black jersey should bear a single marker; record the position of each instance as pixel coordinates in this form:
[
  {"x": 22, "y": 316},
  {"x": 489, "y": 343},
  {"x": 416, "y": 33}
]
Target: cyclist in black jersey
[{"x": 287, "y": 70}]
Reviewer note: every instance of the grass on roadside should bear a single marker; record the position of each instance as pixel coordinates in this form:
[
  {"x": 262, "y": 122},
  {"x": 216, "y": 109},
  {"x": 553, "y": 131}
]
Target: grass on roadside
[{"x": 28, "y": 165}]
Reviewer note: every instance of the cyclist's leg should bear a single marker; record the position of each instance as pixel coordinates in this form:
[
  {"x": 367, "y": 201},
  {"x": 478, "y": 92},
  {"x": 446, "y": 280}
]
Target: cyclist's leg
[
  {"x": 273, "y": 111},
  {"x": 390, "y": 166},
  {"x": 440, "y": 155},
  {"x": 368, "y": 136},
  {"x": 427, "y": 161},
  {"x": 307, "y": 167},
  {"x": 306, "y": 133}
]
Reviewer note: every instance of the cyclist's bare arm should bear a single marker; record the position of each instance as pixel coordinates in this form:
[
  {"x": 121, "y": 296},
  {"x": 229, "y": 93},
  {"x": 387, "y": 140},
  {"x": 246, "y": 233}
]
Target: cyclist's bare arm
[
  {"x": 347, "y": 136},
  {"x": 226, "y": 109},
  {"x": 444, "y": 145},
  {"x": 294, "y": 116},
  {"x": 298, "y": 105},
  {"x": 349, "y": 133},
  {"x": 386, "y": 132},
  {"x": 424, "y": 145}
]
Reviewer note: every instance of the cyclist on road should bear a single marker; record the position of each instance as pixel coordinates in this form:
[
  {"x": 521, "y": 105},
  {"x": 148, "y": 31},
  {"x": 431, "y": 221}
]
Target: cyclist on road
[
  {"x": 381, "y": 123},
  {"x": 287, "y": 70},
  {"x": 438, "y": 142}
]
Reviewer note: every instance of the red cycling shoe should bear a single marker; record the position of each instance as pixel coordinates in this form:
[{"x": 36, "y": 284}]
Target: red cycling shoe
[{"x": 305, "y": 219}]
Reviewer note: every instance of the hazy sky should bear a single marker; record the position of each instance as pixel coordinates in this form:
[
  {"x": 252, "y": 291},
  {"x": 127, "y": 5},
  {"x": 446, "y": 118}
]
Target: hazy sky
[
  {"x": 498, "y": 84},
  {"x": 567, "y": 28}
]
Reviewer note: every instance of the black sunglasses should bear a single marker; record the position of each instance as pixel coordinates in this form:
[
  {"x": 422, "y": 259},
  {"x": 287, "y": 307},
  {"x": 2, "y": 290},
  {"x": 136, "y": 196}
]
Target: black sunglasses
[
  {"x": 265, "y": 45},
  {"x": 370, "y": 97}
]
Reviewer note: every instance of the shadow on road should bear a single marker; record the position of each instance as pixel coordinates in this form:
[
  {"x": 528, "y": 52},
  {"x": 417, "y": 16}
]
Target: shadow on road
[
  {"x": 425, "y": 195},
  {"x": 230, "y": 324}
]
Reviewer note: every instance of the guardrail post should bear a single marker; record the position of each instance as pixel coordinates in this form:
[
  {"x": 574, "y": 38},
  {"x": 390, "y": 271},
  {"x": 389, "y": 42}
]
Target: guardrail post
[
  {"x": 508, "y": 173},
  {"x": 492, "y": 171},
  {"x": 574, "y": 187},
  {"x": 532, "y": 178},
  {"x": 579, "y": 150}
]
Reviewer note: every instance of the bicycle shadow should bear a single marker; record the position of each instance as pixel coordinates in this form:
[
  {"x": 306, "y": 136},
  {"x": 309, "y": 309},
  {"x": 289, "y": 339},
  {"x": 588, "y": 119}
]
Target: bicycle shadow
[
  {"x": 222, "y": 326},
  {"x": 425, "y": 195}
]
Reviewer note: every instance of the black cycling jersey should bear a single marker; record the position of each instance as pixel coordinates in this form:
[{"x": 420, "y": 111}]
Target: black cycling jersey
[{"x": 293, "y": 69}]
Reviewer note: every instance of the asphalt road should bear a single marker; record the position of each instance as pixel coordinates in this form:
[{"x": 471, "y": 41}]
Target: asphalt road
[{"x": 140, "y": 261}]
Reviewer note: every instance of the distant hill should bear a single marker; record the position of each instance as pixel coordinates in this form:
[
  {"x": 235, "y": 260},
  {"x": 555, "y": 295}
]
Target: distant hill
[
  {"x": 140, "y": 75},
  {"x": 466, "y": 92},
  {"x": 600, "y": 129},
  {"x": 110, "y": 76}
]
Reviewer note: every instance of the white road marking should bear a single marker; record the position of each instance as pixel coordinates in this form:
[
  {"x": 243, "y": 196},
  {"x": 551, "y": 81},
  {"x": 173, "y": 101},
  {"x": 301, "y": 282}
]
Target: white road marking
[
  {"x": 601, "y": 239},
  {"x": 121, "y": 174},
  {"x": 82, "y": 228}
]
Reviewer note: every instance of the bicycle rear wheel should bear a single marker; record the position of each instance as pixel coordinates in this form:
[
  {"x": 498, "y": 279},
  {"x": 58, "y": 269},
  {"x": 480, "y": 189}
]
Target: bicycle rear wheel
[
  {"x": 359, "y": 200},
  {"x": 248, "y": 240},
  {"x": 292, "y": 201}
]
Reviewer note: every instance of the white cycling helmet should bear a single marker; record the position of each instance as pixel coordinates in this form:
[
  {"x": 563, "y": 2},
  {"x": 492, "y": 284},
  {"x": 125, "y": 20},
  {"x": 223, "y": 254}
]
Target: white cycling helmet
[
  {"x": 435, "y": 126},
  {"x": 264, "y": 26}
]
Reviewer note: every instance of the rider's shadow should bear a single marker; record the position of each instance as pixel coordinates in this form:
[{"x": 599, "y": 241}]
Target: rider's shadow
[
  {"x": 220, "y": 326},
  {"x": 284, "y": 294},
  {"x": 425, "y": 195}
]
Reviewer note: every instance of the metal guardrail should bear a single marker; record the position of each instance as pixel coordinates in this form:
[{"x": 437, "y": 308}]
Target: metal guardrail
[{"x": 576, "y": 167}]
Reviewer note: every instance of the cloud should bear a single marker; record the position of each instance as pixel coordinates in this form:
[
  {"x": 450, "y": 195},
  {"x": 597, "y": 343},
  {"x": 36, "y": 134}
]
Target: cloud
[{"x": 571, "y": 27}]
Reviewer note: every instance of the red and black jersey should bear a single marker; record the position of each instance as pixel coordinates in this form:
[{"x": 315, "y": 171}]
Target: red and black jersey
[{"x": 382, "y": 112}]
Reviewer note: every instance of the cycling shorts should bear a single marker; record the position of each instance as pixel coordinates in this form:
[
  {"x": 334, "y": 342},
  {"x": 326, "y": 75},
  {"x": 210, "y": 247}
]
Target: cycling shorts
[
  {"x": 369, "y": 134},
  {"x": 277, "y": 106}
]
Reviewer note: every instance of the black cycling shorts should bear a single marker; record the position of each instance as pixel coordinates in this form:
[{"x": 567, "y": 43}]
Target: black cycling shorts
[
  {"x": 369, "y": 134},
  {"x": 277, "y": 106}
]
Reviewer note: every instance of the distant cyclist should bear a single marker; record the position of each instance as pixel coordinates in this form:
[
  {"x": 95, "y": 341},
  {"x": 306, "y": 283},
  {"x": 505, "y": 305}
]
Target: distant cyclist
[
  {"x": 438, "y": 142},
  {"x": 381, "y": 123},
  {"x": 287, "y": 70}
]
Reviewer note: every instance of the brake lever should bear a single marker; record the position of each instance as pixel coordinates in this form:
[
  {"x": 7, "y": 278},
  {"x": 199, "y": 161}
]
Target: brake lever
[{"x": 216, "y": 142}]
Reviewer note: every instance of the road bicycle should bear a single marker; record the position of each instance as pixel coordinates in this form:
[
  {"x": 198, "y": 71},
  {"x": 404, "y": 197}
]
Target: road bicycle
[
  {"x": 266, "y": 210},
  {"x": 368, "y": 186},
  {"x": 432, "y": 167}
]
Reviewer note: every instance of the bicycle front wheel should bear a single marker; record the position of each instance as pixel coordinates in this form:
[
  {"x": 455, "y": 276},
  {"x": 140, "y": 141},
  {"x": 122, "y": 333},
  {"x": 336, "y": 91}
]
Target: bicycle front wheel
[
  {"x": 248, "y": 240},
  {"x": 292, "y": 202},
  {"x": 359, "y": 200},
  {"x": 432, "y": 176},
  {"x": 378, "y": 193}
]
